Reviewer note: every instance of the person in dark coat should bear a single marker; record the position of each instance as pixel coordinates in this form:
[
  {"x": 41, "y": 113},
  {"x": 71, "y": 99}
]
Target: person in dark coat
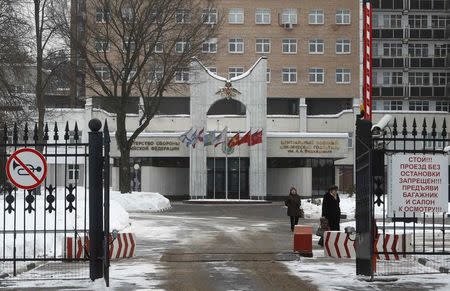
[
  {"x": 331, "y": 209},
  {"x": 293, "y": 204}
]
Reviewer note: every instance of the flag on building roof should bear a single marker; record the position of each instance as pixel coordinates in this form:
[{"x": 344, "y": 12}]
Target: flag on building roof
[
  {"x": 256, "y": 137},
  {"x": 221, "y": 137},
  {"x": 234, "y": 141},
  {"x": 184, "y": 138},
  {"x": 245, "y": 138},
  {"x": 208, "y": 139}
]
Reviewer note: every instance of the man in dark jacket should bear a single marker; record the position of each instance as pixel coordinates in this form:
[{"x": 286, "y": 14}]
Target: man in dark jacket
[
  {"x": 331, "y": 209},
  {"x": 293, "y": 204}
]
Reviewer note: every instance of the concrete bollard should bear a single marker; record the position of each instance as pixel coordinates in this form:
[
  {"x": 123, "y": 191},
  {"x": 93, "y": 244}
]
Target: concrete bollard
[{"x": 303, "y": 240}]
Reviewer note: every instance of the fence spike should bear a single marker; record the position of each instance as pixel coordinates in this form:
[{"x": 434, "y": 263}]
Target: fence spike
[
  {"x": 5, "y": 133},
  {"x": 15, "y": 135},
  {"x": 414, "y": 131},
  {"x": 67, "y": 131},
  {"x": 433, "y": 128},
  {"x": 444, "y": 129},
  {"x": 106, "y": 137},
  {"x": 394, "y": 131},
  {"x": 35, "y": 133},
  {"x": 55, "y": 132},
  {"x": 46, "y": 131},
  {"x": 76, "y": 134},
  {"x": 25, "y": 132},
  {"x": 424, "y": 128},
  {"x": 405, "y": 130}
]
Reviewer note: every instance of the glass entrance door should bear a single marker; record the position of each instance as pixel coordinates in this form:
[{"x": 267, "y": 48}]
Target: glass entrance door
[{"x": 216, "y": 186}]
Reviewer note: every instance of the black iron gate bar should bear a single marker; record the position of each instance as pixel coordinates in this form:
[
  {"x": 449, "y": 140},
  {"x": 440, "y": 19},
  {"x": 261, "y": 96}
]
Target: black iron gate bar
[
  {"x": 414, "y": 142},
  {"x": 52, "y": 151}
]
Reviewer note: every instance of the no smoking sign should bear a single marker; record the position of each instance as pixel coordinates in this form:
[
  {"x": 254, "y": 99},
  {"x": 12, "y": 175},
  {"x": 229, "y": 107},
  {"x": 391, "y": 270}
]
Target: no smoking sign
[{"x": 26, "y": 168}]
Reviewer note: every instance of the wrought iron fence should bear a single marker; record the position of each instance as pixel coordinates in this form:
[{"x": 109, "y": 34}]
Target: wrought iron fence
[
  {"x": 48, "y": 223},
  {"x": 417, "y": 242}
]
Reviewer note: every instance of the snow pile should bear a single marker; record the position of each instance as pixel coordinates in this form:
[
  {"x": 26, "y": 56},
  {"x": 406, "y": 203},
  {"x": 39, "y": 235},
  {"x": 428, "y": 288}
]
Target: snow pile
[
  {"x": 313, "y": 207},
  {"x": 66, "y": 223},
  {"x": 141, "y": 201}
]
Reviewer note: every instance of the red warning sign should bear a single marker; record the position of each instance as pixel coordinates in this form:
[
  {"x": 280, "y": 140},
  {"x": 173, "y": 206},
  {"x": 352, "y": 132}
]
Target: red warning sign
[{"x": 26, "y": 168}]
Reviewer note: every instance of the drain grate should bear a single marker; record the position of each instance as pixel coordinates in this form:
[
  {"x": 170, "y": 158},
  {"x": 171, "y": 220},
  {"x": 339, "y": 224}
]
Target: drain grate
[{"x": 220, "y": 257}]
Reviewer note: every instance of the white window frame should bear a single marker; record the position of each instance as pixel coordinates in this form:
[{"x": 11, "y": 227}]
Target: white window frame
[
  {"x": 443, "y": 106},
  {"x": 180, "y": 46},
  {"x": 316, "y": 17},
  {"x": 289, "y": 16},
  {"x": 132, "y": 44},
  {"x": 182, "y": 16},
  {"x": 419, "y": 78},
  {"x": 263, "y": 16},
  {"x": 418, "y": 50},
  {"x": 74, "y": 171},
  {"x": 341, "y": 45},
  {"x": 392, "y": 21},
  {"x": 102, "y": 45},
  {"x": 262, "y": 45},
  {"x": 156, "y": 74},
  {"x": 211, "y": 45},
  {"x": 393, "y": 105},
  {"x": 235, "y": 71},
  {"x": 392, "y": 49},
  {"x": 343, "y": 73},
  {"x": 209, "y": 16},
  {"x": 316, "y": 73},
  {"x": 236, "y": 16},
  {"x": 236, "y": 43},
  {"x": 182, "y": 75},
  {"x": 158, "y": 48},
  {"x": 343, "y": 17},
  {"x": 393, "y": 78},
  {"x": 291, "y": 74},
  {"x": 418, "y": 105},
  {"x": 289, "y": 43},
  {"x": 316, "y": 44},
  {"x": 102, "y": 15},
  {"x": 102, "y": 71}
]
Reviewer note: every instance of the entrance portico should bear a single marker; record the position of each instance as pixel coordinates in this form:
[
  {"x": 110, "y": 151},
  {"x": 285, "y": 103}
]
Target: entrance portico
[{"x": 252, "y": 88}]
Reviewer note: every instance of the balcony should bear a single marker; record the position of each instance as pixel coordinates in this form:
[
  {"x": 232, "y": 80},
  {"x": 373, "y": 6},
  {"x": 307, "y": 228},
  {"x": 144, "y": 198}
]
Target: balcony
[
  {"x": 410, "y": 91},
  {"x": 410, "y": 62}
]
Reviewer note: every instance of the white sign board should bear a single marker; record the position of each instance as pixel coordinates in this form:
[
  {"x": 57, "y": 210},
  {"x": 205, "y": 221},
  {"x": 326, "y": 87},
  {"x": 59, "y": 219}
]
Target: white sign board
[{"x": 417, "y": 184}]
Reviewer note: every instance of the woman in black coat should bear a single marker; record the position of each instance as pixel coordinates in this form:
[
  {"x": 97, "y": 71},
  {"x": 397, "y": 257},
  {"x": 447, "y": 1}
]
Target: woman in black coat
[
  {"x": 331, "y": 209},
  {"x": 293, "y": 204}
]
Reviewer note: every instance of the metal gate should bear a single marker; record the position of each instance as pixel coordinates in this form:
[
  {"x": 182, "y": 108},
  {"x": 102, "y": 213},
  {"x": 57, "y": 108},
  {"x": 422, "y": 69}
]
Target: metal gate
[
  {"x": 52, "y": 228},
  {"x": 401, "y": 243}
]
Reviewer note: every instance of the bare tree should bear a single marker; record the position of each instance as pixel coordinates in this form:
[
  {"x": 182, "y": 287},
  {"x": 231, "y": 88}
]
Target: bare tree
[{"x": 137, "y": 48}]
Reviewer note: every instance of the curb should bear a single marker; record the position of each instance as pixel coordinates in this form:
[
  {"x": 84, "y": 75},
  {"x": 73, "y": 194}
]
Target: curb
[
  {"x": 19, "y": 271},
  {"x": 427, "y": 263}
]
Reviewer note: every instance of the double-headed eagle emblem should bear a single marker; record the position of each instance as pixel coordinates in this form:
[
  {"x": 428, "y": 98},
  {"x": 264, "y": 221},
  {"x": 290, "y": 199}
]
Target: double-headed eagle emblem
[{"x": 228, "y": 91}]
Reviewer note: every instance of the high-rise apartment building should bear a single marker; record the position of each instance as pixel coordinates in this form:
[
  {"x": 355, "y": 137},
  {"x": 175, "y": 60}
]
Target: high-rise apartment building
[{"x": 411, "y": 55}]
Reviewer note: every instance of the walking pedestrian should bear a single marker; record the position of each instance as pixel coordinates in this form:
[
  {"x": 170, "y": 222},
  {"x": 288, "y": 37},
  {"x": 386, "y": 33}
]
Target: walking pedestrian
[
  {"x": 293, "y": 204},
  {"x": 331, "y": 209}
]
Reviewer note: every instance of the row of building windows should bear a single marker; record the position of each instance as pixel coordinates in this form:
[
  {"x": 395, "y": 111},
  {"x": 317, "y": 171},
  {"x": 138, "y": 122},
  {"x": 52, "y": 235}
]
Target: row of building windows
[
  {"x": 288, "y": 16},
  {"x": 288, "y": 75},
  {"x": 400, "y": 78},
  {"x": 237, "y": 16},
  {"x": 411, "y": 4},
  {"x": 413, "y": 21},
  {"x": 412, "y": 105},
  {"x": 416, "y": 49},
  {"x": 236, "y": 46}
]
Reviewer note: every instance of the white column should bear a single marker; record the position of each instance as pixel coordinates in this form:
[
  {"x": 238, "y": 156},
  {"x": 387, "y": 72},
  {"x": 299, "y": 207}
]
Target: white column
[{"x": 302, "y": 114}]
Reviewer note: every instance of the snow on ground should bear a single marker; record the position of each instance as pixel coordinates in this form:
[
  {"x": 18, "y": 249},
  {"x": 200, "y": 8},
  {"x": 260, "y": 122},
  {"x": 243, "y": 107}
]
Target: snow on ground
[
  {"x": 60, "y": 220},
  {"x": 141, "y": 201},
  {"x": 313, "y": 207},
  {"x": 334, "y": 274}
]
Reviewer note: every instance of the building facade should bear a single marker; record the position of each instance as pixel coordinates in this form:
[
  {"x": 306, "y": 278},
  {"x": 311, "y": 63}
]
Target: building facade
[
  {"x": 411, "y": 55},
  {"x": 310, "y": 96}
]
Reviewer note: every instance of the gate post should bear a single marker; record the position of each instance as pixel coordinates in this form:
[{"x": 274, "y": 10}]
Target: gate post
[
  {"x": 364, "y": 198},
  {"x": 95, "y": 200}
]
